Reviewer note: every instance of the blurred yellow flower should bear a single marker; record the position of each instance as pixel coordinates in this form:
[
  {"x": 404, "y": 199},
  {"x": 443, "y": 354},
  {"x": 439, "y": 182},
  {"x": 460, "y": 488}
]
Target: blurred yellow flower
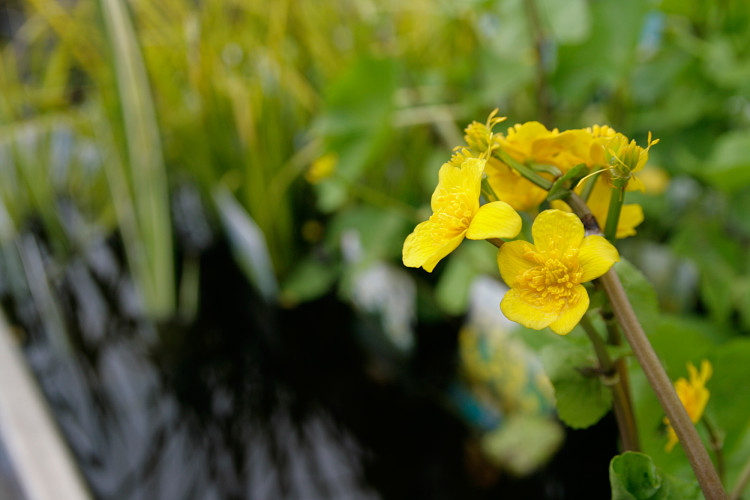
[
  {"x": 456, "y": 215},
  {"x": 546, "y": 277},
  {"x": 693, "y": 396},
  {"x": 322, "y": 168},
  {"x": 655, "y": 180}
]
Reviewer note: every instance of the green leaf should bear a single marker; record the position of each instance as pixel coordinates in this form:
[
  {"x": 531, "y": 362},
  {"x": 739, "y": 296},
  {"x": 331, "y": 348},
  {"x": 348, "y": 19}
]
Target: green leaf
[
  {"x": 452, "y": 292},
  {"x": 569, "y": 20},
  {"x": 640, "y": 293},
  {"x": 633, "y": 476},
  {"x": 523, "y": 443},
  {"x": 308, "y": 281},
  {"x": 728, "y": 167},
  {"x": 581, "y": 400}
]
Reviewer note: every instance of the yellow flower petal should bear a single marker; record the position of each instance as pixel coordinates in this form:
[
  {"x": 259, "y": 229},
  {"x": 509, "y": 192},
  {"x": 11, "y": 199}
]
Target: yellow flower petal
[
  {"x": 513, "y": 261},
  {"x": 570, "y": 316},
  {"x": 494, "y": 220},
  {"x": 464, "y": 183},
  {"x": 423, "y": 249},
  {"x": 516, "y": 309},
  {"x": 557, "y": 230},
  {"x": 595, "y": 257},
  {"x": 672, "y": 439},
  {"x": 631, "y": 216}
]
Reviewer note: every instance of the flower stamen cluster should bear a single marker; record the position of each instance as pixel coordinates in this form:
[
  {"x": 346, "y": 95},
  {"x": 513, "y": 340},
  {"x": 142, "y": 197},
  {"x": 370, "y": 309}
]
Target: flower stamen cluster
[{"x": 546, "y": 278}]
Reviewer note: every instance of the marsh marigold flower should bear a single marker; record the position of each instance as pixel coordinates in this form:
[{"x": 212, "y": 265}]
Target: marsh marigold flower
[
  {"x": 457, "y": 215},
  {"x": 693, "y": 396},
  {"x": 545, "y": 278}
]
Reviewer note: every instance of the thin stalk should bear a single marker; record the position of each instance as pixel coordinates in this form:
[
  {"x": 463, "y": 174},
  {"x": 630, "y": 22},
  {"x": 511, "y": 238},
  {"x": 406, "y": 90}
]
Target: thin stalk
[
  {"x": 496, "y": 241},
  {"x": 488, "y": 192},
  {"x": 524, "y": 170},
  {"x": 717, "y": 445},
  {"x": 614, "y": 338},
  {"x": 589, "y": 186},
  {"x": 657, "y": 377},
  {"x": 610, "y": 377},
  {"x": 741, "y": 483},
  {"x": 615, "y": 207},
  {"x": 696, "y": 453}
]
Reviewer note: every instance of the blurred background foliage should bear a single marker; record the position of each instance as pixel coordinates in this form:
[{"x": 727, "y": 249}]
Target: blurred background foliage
[{"x": 160, "y": 124}]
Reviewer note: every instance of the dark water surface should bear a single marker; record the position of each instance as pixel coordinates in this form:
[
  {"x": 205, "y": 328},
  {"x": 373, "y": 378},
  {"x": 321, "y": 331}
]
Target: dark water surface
[{"x": 245, "y": 400}]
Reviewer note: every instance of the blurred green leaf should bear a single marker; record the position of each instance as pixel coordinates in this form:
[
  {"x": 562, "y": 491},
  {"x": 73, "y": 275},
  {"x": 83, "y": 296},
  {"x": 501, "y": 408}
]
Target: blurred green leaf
[
  {"x": 633, "y": 476},
  {"x": 307, "y": 281},
  {"x": 581, "y": 399},
  {"x": 353, "y": 127},
  {"x": 523, "y": 443},
  {"x": 248, "y": 244},
  {"x": 641, "y": 294},
  {"x": 569, "y": 20},
  {"x": 148, "y": 229},
  {"x": 606, "y": 55},
  {"x": 452, "y": 292},
  {"x": 728, "y": 167}
]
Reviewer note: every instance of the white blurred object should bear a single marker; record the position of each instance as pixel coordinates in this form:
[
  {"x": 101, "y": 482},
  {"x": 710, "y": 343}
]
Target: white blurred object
[
  {"x": 45, "y": 466},
  {"x": 485, "y": 294},
  {"x": 382, "y": 289}
]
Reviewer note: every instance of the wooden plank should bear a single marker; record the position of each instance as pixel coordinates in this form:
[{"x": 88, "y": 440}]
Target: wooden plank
[{"x": 42, "y": 461}]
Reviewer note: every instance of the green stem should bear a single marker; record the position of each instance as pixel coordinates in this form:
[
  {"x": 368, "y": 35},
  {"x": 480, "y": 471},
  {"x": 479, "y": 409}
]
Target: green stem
[
  {"x": 542, "y": 90},
  {"x": 487, "y": 191},
  {"x": 717, "y": 445},
  {"x": 741, "y": 483},
  {"x": 610, "y": 377},
  {"x": 657, "y": 377},
  {"x": 590, "y": 183},
  {"x": 524, "y": 170},
  {"x": 615, "y": 207},
  {"x": 691, "y": 443},
  {"x": 614, "y": 338}
]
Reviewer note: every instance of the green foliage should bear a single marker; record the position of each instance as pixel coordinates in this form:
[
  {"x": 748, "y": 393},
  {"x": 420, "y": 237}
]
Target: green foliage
[
  {"x": 633, "y": 476},
  {"x": 523, "y": 443},
  {"x": 582, "y": 400},
  {"x": 640, "y": 293}
]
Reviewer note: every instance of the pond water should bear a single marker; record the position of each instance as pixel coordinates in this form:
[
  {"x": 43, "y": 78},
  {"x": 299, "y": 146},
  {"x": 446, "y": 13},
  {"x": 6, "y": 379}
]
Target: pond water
[{"x": 246, "y": 400}]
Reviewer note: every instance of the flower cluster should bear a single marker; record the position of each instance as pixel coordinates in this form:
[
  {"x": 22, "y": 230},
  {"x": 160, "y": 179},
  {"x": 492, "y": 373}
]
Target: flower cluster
[{"x": 515, "y": 171}]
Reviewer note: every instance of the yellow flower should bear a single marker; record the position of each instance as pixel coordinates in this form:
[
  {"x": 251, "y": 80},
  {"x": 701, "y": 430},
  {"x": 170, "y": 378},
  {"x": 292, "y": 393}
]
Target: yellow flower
[
  {"x": 322, "y": 168},
  {"x": 631, "y": 215},
  {"x": 546, "y": 278},
  {"x": 531, "y": 143},
  {"x": 457, "y": 214},
  {"x": 693, "y": 396}
]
